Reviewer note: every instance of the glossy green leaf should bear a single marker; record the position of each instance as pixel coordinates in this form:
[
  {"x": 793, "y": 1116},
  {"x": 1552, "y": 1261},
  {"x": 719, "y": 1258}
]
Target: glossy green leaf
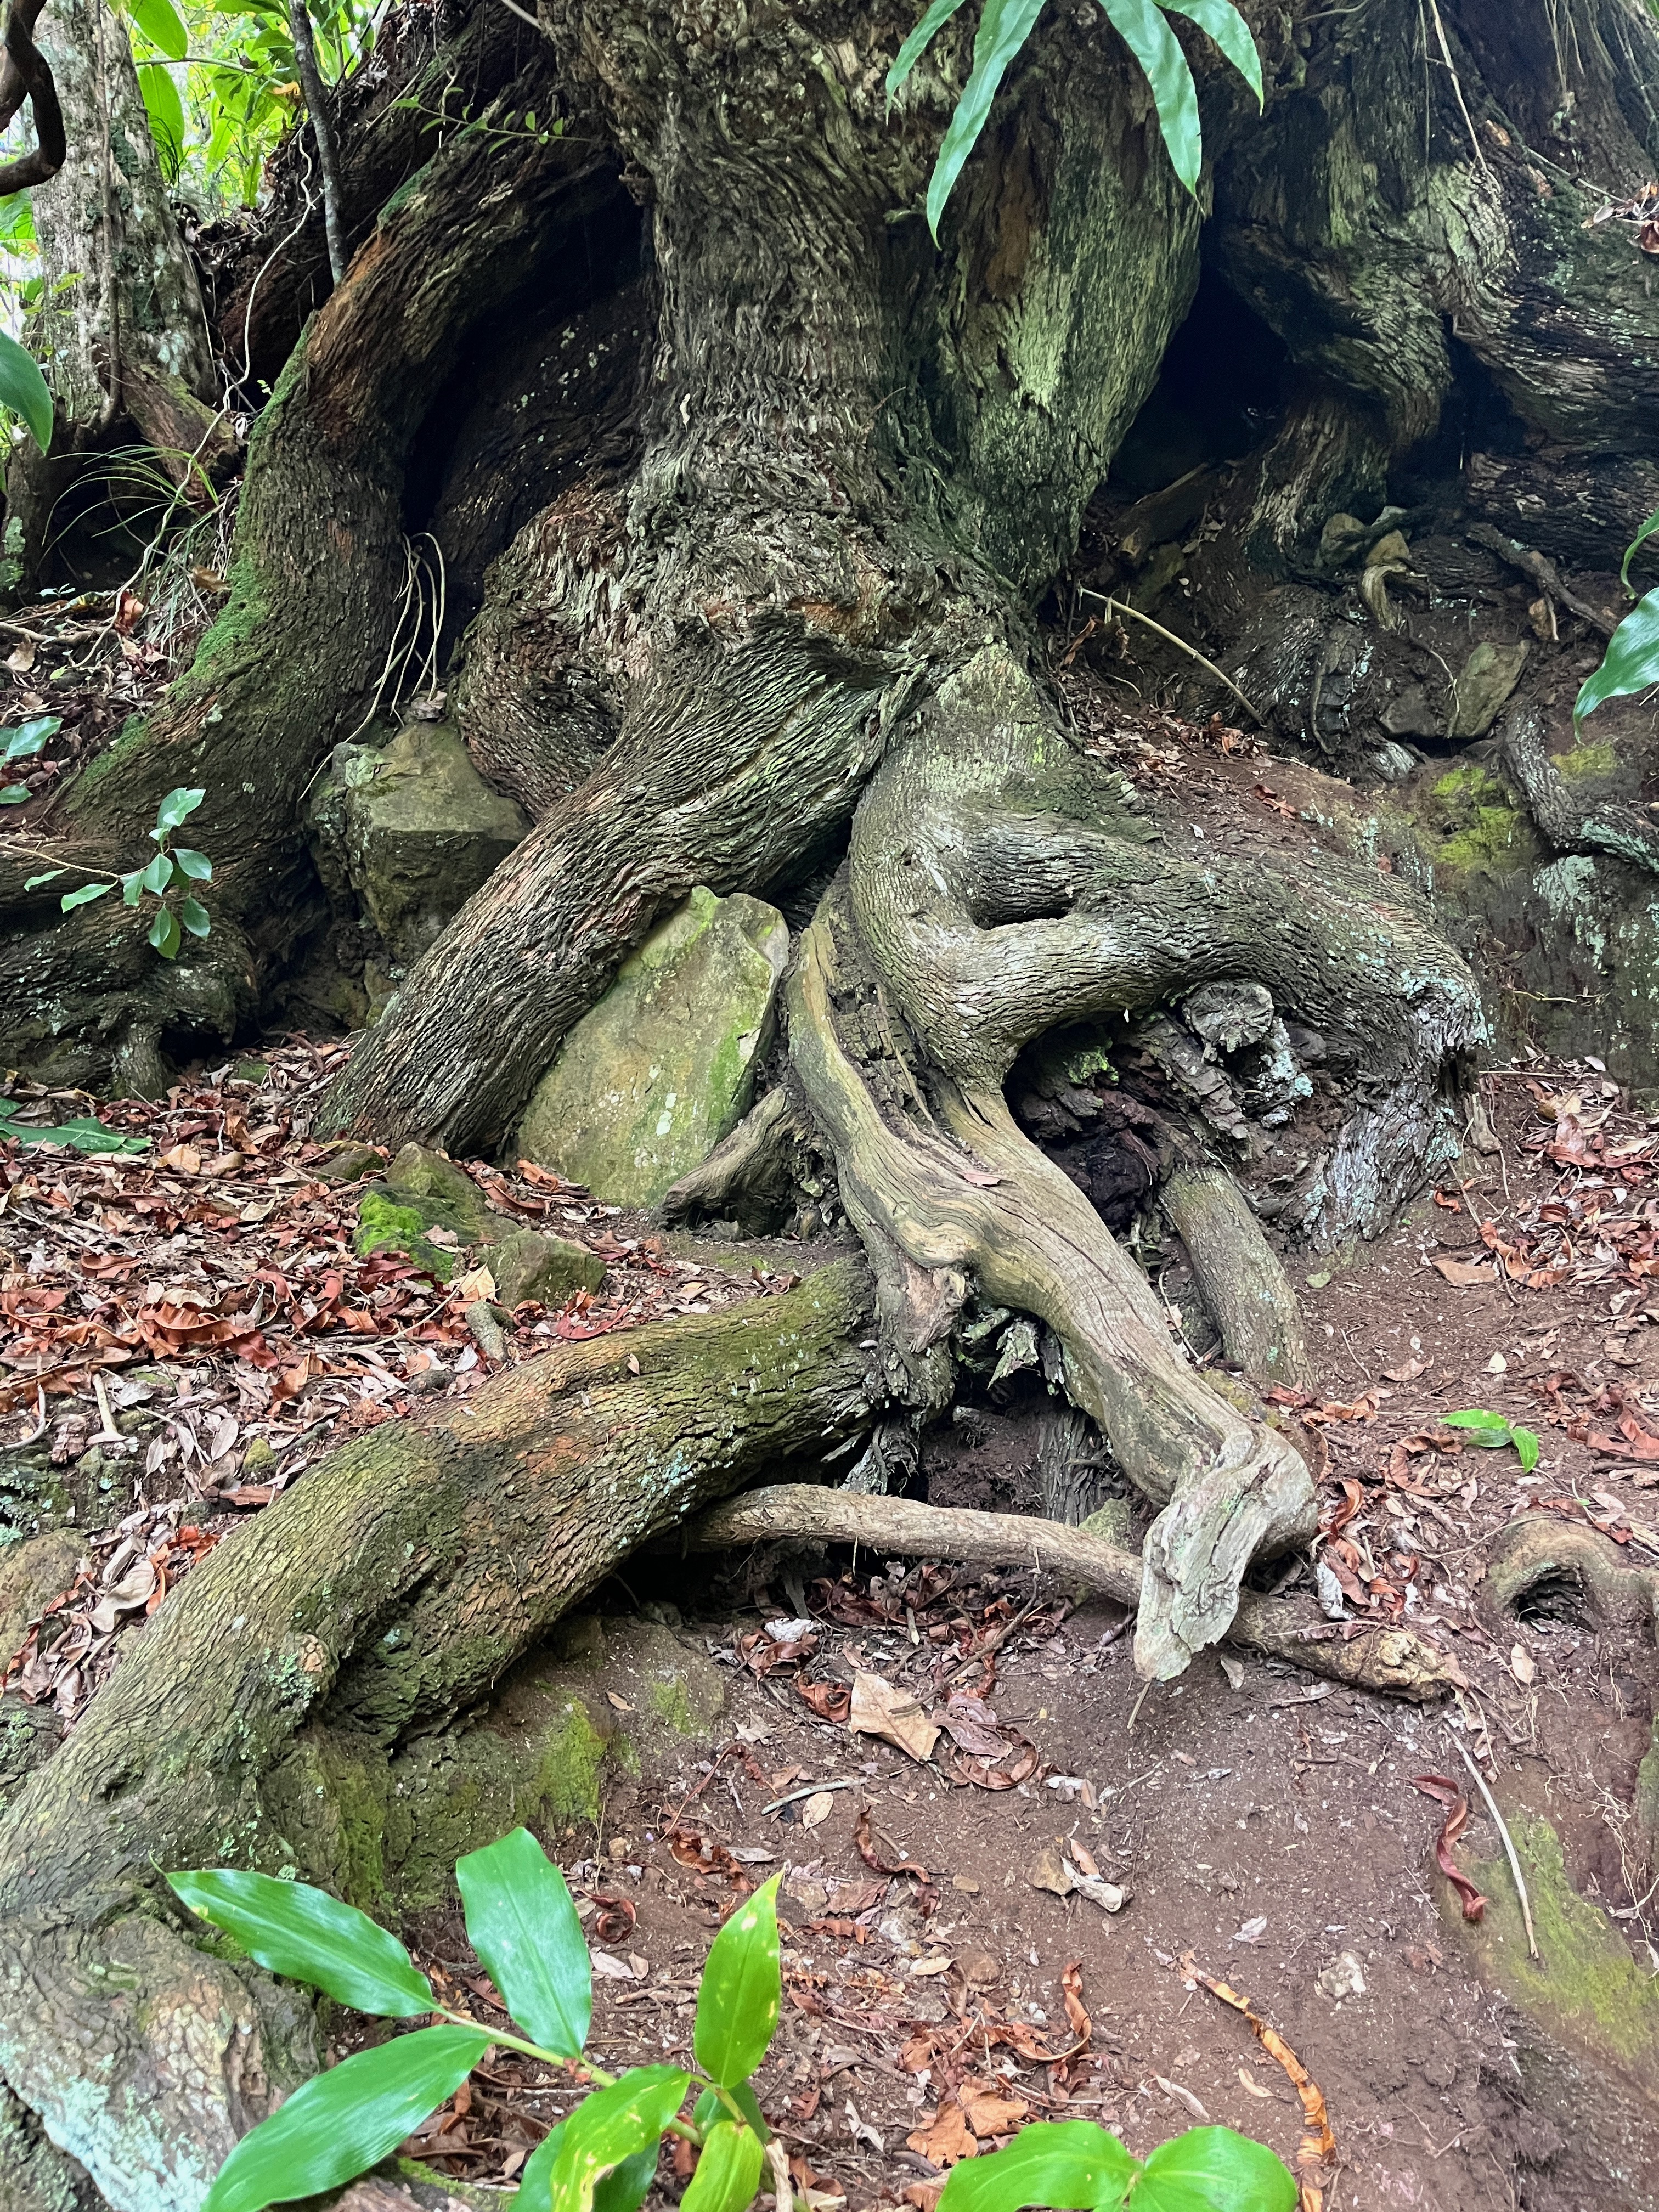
[
  {"x": 196, "y": 918},
  {"x": 173, "y": 809},
  {"x": 311, "y": 1936},
  {"x": 1213, "y": 2169},
  {"x": 14, "y": 794},
  {"x": 1004, "y": 27},
  {"x": 158, "y": 874},
  {"x": 1635, "y": 547},
  {"x": 339, "y": 2124},
  {"x": 132, "y": 886},
  {"x": 1630, "y": 662},
  {"x": 612, "y": 2125},
  {"x": 729, "y": 2170},
  {"x": 524, "y": 1927},
  {"x": 623, "y": 2189},
  {"x": 164, "y": 934},
  {"x": 939, "y": 15},
  {"x": 1071, "y": 2165},
  {"x": 159, "y": 21},
  {"x": 23, "y": 389},
  {"x": 196, "y": 865},
  {"x": 741, "y": 1990},
  {"x": 1475, "y": 1417},
  {"x": 83, "y": 1134},
  {"x": 1155, "y": 46},
  {"x": 33, "y": 883},
  {"x": 165, "y": 111},
  {"x": 1231, "y": 33},
  {"x": 31, "y": 737},
  {"x": 84, "y": 896},
  {"x": 711, "y": 2107},
  {"x": 1526, "y": 1443}
]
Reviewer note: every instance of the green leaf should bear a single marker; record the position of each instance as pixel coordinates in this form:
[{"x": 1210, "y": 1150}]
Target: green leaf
[
  {"x": 158, "y": 874},
  {"x": 1635, "y": 547},
  {"x": 741, "y": 1990},
  {"x": 1231, "y": 33},
  {"x": 196, "y": 865},
  {"x": 173, "y": 809},
  {"x": 612, "y": 2125},
  {"x": 339, "y": 2124},
  {"x": 159, "y": 21},
  {"x": 1071, "y": 2165},
  {"x": 84, "y": 896},
  {"x": 165, "y": 111},
  {"x": 309, "y": 1937},
  {"x": 1004, "y": 27},
  {"x": 939, "y": 15},
  {"x": 710, "y": 2107},
  {"x": 1475, "y": 1417},
  {"x": 1526, "y": 1443},
  {"x": 728, "y": 2172},
  {"x": 164, "y": 934},
  {"x": 14, "y": 794},
  {"x": 622, "y": 2189},
  {"x": 1630, "y": 664},
  {"x": 524, "y": 1927},
  {"x": 132, "y": 884},
  {"x": 33, "y": 883},
  {"x": 196, "y": 918},
  {"x": 1213, "y": 2169},
  {"x": 85, "y": 1134},
  {"x": 23, "y": 389},
  {"x": 1156, "y": 47},
  {"x": 32, "y": 737}
]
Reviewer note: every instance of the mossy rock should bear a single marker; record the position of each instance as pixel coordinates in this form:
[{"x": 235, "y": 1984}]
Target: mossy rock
[
  {"x": 32, "y": 1573},
  {"x": 652, "y": 1077},
  {"x": 528, "y": 1263},
  {"x": 395, "y": 1221}
]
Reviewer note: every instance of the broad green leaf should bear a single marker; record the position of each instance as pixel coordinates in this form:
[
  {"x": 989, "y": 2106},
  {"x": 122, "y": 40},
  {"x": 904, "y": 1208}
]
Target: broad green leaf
[
  {"x": 84, "y": 896},
  {"x": 939, "y": 15},
  {"x": 1630, "y": 664},
  {"x": 196, "y": 865},
  {"x": 710, "y": 2108},
  {"x": 1213, "y": 2169},
  {"x": 1526, "y": 1443},
  {"x": 32, "y": 737},
  {"x": 132, "y": 884},
  {"x": 612, "y": 2125},
  {"x": 524, "y": 1927},
  {"x": 1475, "y": 1417},
  {"x": 159, "y": 21},
  {"x": 158, "y": 874},
  {"x": 23, "y": 389},
  {"x": 14, "y": 794},
  {"x": 728, "y": 2171},
  {"x": 1231, "y": 33},
  {"x": 165, "y": 111},
  {"x": 1635, "y": 547},
  {"x": 164, "y": 934},
  {"x": 85, "y": 1134},
  {"x": 339, "y": 2124},
  {"x": 741, "y": 1990},
  {"x": 173, "y": 809},
  {"x": 311, "y": 1936},
  {"x": 622, "y": 2189},
  {"x": 1155, "y": 46},
  {"x": 1071, "y": 2165},
  {"x": 1004, "y": 27},
  {"x": 33, "y": 883},
  {"x": 196, "y": 918}
]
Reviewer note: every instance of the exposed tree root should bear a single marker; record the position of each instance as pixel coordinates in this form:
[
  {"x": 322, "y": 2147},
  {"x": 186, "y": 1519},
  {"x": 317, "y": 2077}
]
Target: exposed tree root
[
  {"x": 385, "y": 1592},
  {"x": 1572, "y": 820},
  {"x": 1241, "y": 1278},
  {"x": 1387, "y": 1659},
  {"x": 1559, "y": 1567}
]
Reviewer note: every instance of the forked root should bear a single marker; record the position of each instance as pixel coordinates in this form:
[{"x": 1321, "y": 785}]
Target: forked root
[{"x": 1392, "y": 1660}]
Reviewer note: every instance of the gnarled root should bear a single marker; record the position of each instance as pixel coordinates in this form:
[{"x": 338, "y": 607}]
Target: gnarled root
[
  {"x": 1388, "y": 1659},
  {"x": 1241, "y": 1278},
  {"x": 385, "y": 1592},
  {"x": 1560, "y": 1566}
]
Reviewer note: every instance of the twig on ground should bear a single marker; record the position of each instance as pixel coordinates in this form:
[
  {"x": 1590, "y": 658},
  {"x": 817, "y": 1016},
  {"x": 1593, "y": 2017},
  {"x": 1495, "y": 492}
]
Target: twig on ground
[
  {"x": 1509, "y": 1844},
  {"x": 1122, "y": 607}
]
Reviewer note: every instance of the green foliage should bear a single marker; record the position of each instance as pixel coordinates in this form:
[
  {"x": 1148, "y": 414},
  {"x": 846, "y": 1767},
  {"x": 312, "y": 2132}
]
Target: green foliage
[
  {"x": 83, "y": 1133},
  {"x": 23, "y": 743},
  {"x": 1005, "y": 24},
  {"x": 169, "y": 874},
  {"x": 603, "y": 2157},
  {"x": 1491, "y": 1431},
  {"x": 23, "y": 389},
  {"x": 1630, "y": 662}
]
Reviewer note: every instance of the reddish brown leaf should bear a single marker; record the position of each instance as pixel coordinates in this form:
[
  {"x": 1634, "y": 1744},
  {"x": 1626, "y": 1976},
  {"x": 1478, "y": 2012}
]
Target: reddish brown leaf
[{"x": 1445, "y": 1791}]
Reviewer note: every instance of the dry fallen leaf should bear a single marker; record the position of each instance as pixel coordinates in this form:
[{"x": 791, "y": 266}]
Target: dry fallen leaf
[
  {"x": 817, "y": 1809},
  {"x": 1521, "y": 1666},
  {"x": 1409, "y": 1372},
  {"x": 941, "y": 1963},
  {"x": 1462, "y": 1272},
  {"x": 621, "y": 1704},
  {"x": 1184, "y": 2096},
  {"x": 611, "y": 1968},
  {"x": 1050, "y": 1872},
  {"x": 947, "y": 2138},
  {"x": 1248, "y": 2082},
  {"x": 880, "y": 1709},
  {"x": 990, "y": 2110}
]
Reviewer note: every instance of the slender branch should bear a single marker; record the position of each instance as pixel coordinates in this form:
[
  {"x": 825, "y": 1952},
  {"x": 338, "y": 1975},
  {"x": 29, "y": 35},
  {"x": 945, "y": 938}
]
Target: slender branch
[
  {"x": 322, "y": 130},
  {"x": 1509, "y": 1845},
  {"x": 1122, "y": 607}
]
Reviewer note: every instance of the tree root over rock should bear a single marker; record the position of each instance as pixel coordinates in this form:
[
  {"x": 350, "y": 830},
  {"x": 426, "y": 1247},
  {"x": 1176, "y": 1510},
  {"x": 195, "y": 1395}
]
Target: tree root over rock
[
  {"x": 387, "y": 1591},
  {"x": 1387, "y": 1659}
]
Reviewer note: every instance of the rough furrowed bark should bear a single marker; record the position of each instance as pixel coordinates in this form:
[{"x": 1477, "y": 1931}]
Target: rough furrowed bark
[
  {"x": 390, "y": 1589},
  {"x": 1241, "y": 1278},
  {"x": 1391, "y": 1659}
]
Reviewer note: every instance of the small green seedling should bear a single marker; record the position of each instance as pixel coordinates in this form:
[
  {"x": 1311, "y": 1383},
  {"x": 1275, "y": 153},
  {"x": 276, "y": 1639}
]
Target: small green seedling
[
  {"x": 23, "y": 743},
  {"x": 1491, "y": 1431},
  {"x": 603, "y": 2157},
  {"x": 171, "y": 874},
  {"x": 1631, "y": 663}
]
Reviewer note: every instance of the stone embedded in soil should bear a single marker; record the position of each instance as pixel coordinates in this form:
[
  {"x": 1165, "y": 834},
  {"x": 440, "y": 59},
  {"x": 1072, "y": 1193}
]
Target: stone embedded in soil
[
  {"x": 422, "y": 1191},
  {"x": 529, "y": 1263},
  {"x": 650, "y": 1080}
]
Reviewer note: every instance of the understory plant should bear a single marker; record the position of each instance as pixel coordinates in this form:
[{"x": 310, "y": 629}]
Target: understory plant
[
  {"x": 1492, "y": 1431},
  {"x": 171, "y": 875},
  {"x": 1630, "y": 662},
  {"x": 523, "y": 1924}
]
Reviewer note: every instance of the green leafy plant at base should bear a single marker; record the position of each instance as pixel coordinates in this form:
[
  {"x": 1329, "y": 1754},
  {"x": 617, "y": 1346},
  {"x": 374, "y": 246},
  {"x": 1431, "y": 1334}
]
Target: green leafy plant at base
[
  {"x": 172, "y": 872},
  {"x": 1492, "y": 1432},
  {"x": 603, "y": 2157},
  {"x": 23, "y": 743},
  {"x": 1005, "y": 24},
  {"x": 1630, "y": 662},
  {"x": 23, "y": 389}
]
